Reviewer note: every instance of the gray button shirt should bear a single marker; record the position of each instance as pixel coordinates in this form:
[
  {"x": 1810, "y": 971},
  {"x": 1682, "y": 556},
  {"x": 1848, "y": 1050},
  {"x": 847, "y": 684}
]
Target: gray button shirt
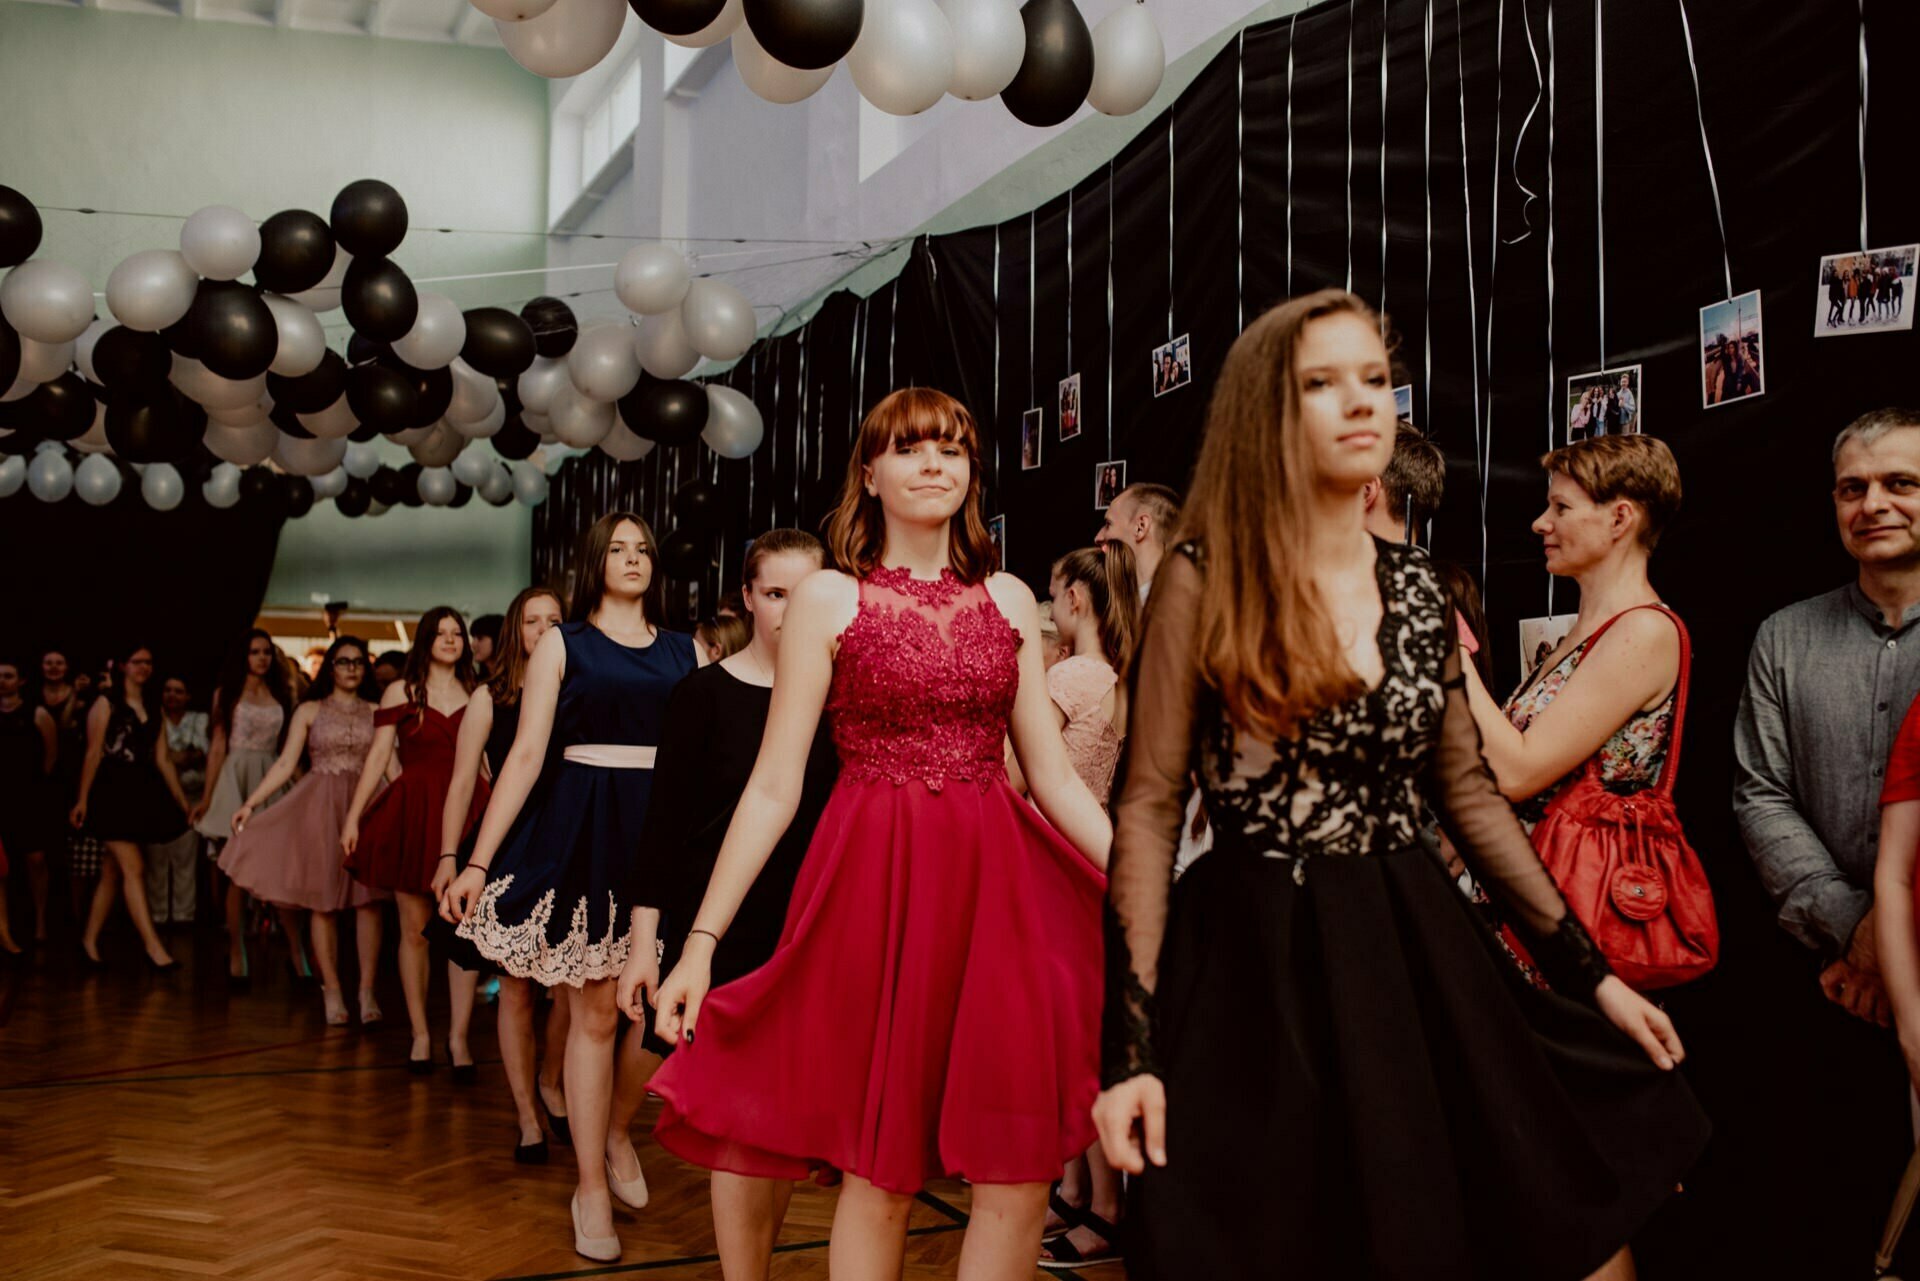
[{"x": 1828, "y": 683}]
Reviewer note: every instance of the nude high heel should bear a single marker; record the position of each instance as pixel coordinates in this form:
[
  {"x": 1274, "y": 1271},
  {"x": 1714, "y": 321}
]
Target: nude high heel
[{"x": 600, "y": 1249}]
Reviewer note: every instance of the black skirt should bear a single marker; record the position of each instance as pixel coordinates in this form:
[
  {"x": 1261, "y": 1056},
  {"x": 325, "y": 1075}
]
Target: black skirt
[
  {"x": 130, "y": 802},
  {"x": 1359, "y": 1084}
]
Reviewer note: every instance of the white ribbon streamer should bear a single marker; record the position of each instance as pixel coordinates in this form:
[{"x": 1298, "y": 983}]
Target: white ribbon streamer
[
  {"x": 1864, "y": 243},
  {"x": 1291, "y": 24},
  {"x": 1553, "y": 382},
  {"x": 1170, "y": 236},
  {"x": 1069, "y": 280},
  {"x": 1473, "y": 302},
  {"x": 1706, "y": 148},
  {"x": 1239, "y": 180},
  {"x": 1383, "y": 157},
  {"x": 1349, "y": 147},
  {"x": 1109, "y": 307},
  {"x": 1493, "y": 268},
  {"x": 1033, "y": 269},
  {"x": 1426, "y": 148},
  {"x": 1539, "y": 89},
  {"x": 1600, "y": 164}
]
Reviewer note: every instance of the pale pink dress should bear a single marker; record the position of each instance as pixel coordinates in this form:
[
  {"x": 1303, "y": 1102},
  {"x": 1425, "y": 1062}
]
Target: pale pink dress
[{"x": 1077, "y": 687}]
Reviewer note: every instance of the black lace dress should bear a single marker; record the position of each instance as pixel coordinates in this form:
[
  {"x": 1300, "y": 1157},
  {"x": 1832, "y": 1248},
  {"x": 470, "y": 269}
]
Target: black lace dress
[{"x": 1358, "y": 1083}]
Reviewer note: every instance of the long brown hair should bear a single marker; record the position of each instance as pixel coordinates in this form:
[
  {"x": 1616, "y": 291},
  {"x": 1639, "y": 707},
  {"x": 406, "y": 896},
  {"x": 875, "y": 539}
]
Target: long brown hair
[
  {"x": 1112, "y": 585},
  {"x": 590, "y": 570},
  {"x": 1266, "y": 644},
  {"x": 509, "y": 652},
  {"x": 420, "y": 657},
  {"x": 857, "y": 530}
]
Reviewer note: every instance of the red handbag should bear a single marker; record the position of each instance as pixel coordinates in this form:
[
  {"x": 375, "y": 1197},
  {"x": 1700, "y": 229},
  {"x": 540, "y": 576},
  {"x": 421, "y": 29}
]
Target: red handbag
[{"x": 1624, "y": 865}]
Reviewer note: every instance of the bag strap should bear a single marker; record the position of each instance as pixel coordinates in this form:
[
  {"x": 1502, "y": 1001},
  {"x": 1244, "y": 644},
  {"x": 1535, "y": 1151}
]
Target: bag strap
[{"x": 1671, "y": 769}]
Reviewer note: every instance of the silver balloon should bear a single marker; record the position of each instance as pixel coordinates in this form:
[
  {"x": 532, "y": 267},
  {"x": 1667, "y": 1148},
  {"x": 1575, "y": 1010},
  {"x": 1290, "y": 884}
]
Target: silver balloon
[
  {"x": 473, "y": 393},
  {"x": 537, "y": 385},
  {"x": 497, "y": 488},
  {"x": 162, "y": 486},
  {"x": 442, "y": 445},
  {"x": 332, "y": 484},
  {"x": 567, "y": 39},
  {"x": 325, "y": 296},
  {"x": 437, "y": 486},
  {"x": 719, "y": 319},
  {"x": 539, "y": 424},
  {"x": 770, "y": 78},
  {"x": 651, "y": 279},
  {"x": 490, "y": 425},
  {"x": 580, "y": 422},
  {"x": 378, "y": 508},
  {"x": 513, "y": 10},
  {"x": 622, "y": 445},
  {"x": 96, "y": 480},
  {"x": 47, "y": 301},
  {"x": 714, "y": 32},
  {"x": 83, "y": 348},
  {"x": 335, "y": 422},
  {"x": 362, "y": 459},
  {"x": 42, "y": 362},
  {"x": 13, "y": 474},
  {"x": 303, "y": 344},
  {"x": 151, "y": 289},
  {"x": 602, "y": 364},
  {"x": 529, "y": 484},
  {"x": 50, "y": 476},
  {"x": 903, "y": 61},
  {"x": 472, "y": 467},
  {"x": 438, "y": 334},
  {"x": 317, "y": 457},
  {"x": 222, "y": 488},
  {"x": 242, "y": 446},
  {"x": 661, "y": 343},
  {"x": 1129, "y": 61},
  {"x": 220, "y": 242},
  {"x": 734, "y": 426},
  {"x": 989, "y": 44}
]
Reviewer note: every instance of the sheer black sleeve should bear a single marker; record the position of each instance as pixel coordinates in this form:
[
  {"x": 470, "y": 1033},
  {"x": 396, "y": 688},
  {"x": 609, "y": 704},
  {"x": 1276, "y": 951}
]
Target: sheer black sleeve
[
  {"x": 1147, "y": 817},
  {"x": 675, "y": 808},
  {"x": 1496, "y": 849}
]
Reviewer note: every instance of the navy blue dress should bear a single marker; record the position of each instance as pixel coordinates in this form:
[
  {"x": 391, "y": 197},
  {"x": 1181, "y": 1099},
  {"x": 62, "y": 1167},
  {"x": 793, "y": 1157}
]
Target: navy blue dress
[{"x": 556, "y": 906}]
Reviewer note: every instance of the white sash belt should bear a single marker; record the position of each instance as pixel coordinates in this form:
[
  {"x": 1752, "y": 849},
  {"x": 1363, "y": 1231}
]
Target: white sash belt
[{"x": 611, "y": 755}]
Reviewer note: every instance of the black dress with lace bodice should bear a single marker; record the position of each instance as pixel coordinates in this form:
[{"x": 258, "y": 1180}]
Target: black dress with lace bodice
[{"x": 1355, "y": 1076}]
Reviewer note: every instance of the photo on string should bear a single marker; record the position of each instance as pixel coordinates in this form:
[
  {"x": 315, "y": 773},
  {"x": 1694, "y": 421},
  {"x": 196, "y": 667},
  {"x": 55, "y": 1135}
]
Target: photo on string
[
  {"x": 1032, "y": 425},
  {"x": 1069, "y": 406},
  {"x": 1864, "y": 293},
  {"x": 1606, "y": 402},
  {"x": 997, "y": 532},
  {"x": 1539, "y": 637},
  {"x": 1403, "y": 402},
  {"x": 1730, "y": 352},
  {"x": 1172, "y": 365},
  {"x": 1109, "y": 478}
]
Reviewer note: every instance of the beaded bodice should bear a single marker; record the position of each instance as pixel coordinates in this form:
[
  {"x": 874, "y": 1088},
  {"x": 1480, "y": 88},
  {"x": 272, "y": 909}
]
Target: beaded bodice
[
  {"x": 339, "y": 740},
  {"x": 924, "y": 682},
  {"x": 255, "y": 726}
]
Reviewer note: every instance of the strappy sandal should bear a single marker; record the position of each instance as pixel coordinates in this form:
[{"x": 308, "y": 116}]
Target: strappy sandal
[
  {"x": 1062, "y": 1209},
  {"x": 1062, "y": 1255}
]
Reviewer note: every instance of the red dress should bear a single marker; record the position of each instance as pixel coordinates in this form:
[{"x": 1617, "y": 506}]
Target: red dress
[
  {"x": 400, "y": 832},
  {"x": 1903, "y": 772},
  {"x": 933, "y": 1007}
]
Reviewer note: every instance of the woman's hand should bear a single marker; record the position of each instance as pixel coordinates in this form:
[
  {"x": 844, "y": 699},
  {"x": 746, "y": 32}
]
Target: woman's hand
[
  {"x": 443, "y": 873},
  {"x": 680, "y": 997},
  {"x": 77, "y": 816},
  {"x": 198, "y": 811},
  {"x": 1141, "y": 1099},
  {"x": 462, "y": 893},
  {"x": 240, "y": 817},
  {"x": 349, "y": 838},
  {"x": 639, "y": 982},
  {"x": 1640, "y": 1019}
]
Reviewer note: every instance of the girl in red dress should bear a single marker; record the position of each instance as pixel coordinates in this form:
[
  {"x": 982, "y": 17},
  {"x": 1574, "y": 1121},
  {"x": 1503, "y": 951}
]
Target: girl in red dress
[{"x": 932, "y": 1007}]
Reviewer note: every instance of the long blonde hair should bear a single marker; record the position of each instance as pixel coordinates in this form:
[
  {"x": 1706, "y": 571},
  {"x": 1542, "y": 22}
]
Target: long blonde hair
[{"x": 1106, "y": 573}]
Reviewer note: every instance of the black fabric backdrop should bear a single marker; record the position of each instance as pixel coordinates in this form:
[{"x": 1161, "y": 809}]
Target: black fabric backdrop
[{"x": 1266, "y": 179}]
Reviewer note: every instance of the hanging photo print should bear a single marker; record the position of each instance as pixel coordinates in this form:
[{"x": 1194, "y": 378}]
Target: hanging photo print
[
  {"x": 1538, "y": 636},
  {"x": 1172, "y": 366},
  {"x": 1031, "y": 424},
  {"x": 1730, "y": 350},
  {"x": 1069, "y": 406},
  {"x": 997, "y": 531},
  {"x": 1108, "y": 480},
  {"x": 1865, "y": 293},
  {"x": 1403, "y": 402},
  {"x": 1607, "y": 402}
]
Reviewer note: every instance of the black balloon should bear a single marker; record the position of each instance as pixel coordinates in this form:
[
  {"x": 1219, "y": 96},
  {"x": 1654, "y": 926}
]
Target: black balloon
[
  {"x": 383, "y": 398},
  {"x": 179, "y": 337},
  {"x": 379, "y": 299},
  {"x": 286, "y": 421},
  {"x": 296, "y": 252},
  {"x": 364, "y": 433},
  {"x": 299, "y": 492},
  {"x": 355, "y": 500},
  {"x": 362, "y": 350},
  {"x": 1058, "y": 70},
  {"x": 808, "y": 34},
  {"x": 462, "y": 494},
  {"x": 509, "y": 394},
  {"x": 677, "y": 17},
  {"x": 386, "y": 485},
  {"x": 154, "y": 425},
  {"x": 128, "y": 358},
  {"x": 435, "y": 390},
  {"x": 671, "y": 411},
  {"x": 515, "y": 440},
  {"x": 9, "y": 355},
  {"x": 553, "y": 325},
  {"x": 682, "y": 556},
  {"x": 260, "y": 488},
  {"x": 410, "y": 485},
  {"x": 697, "y": 504},
  {"x": 499, "y": 343},
  {"x": 310, "y": 392},
  {"x": 62, "y": 409},
  {"x": 369, "y": 219},
  {"x": 231, "y": 329},
  {"x": 19, "y": 228}
]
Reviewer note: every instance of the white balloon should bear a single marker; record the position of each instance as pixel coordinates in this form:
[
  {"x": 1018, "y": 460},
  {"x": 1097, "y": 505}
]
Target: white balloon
[
  {"x": 50, "y": 476},
  {"x": 315, "y": 457},
  {"x": 529, "y": 484},
  {"x": 222, "y": 488},
  {"x": 770, "y": 78},
  {"x": 437, "y": 486},
  {"x": 714, "y": 32},
  {"x": 903, "y": 61},
  {"x": 622, "y": 445},
  {"x": 334, "y": 422},
  {"x": 96, "y": 480},
  {"x": 42, "y": 362},
  {"x": 83, "y": 348},
  {"x": 512, "y": 10},
  {"x": 220, "y": 242},
  {"x": 94, "y": 440},
  {"x": 161, "y": 485},
  {"x": 472, "y": 467},
  {"x": 332, "y": 484},
  {"x": 213, "y": 391},
  {"x": 719, "y": 320},
  {"x": 1129, "y": 61},
  {"x": 578, "y": 421},
  {"x": 538, "y": 424},
  {"x": 242, "y": 446},
  {"x": 734, "y": 427},
  {"x": 47, "y": 301},
  {"x": 490, "y": 425},
  {"x": 497, "y": 488},
  {"x": 537, "y": 385},
  {"x": 661, "y": 343},
  {"x": 989, "y": 44},
  {"x": 438, "y": 334},
  {"x": 151, "y": 289},
  {"x": 303, "y": 344},
  {"x": 442, "y": 445},
  {"x": 603, "y": 364},
  {"x": 13, "y": 474},
  {"x": 569, "y": 38},
  {"x": 22, "y": 386},
  {"x": 324, "y": 296},
  {"x": 378, "y": 508},
  {"x": 651, "y": 279},
  {"x": 362, "y": 459},
  {"x": 245, "y": 416},
  {"x": 473, "y": 393}
]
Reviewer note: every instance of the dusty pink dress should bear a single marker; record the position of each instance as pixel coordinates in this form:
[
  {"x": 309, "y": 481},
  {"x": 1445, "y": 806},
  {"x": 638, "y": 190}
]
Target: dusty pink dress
[{"x": 1077, "y": 686}]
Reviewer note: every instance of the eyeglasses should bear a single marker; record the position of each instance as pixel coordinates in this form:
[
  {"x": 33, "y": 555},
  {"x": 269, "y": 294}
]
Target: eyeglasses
[{"x": 350, "y": 664}]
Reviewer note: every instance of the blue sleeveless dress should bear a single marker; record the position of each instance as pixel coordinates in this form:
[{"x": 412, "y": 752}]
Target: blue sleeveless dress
[{"x": 555, "y": 909}]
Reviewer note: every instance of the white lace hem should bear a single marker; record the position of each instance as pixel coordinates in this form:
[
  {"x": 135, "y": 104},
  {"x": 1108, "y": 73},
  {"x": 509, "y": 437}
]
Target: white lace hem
[{"x": 522, "y": 950}]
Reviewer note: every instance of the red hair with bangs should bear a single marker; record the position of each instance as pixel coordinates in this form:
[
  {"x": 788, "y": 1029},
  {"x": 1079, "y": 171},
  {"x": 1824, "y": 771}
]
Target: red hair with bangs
[{"x": 857, "y": 529}]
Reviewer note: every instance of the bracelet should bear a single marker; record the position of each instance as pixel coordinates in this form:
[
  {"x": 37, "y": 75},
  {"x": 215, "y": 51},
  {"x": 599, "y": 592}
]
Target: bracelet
[
  {"x": 709, "y": 933},
  {"x": 451, "y": 856}
]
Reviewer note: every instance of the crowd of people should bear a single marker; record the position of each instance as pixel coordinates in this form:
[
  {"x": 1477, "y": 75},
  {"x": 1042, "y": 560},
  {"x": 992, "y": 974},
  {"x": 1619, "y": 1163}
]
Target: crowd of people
[
  {"x": 1863, "y": 290},
  {"x": 889, "y": 794}
]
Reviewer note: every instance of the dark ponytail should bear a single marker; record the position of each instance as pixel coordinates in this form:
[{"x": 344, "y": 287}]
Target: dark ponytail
[{"x": 1113, "y": 587}]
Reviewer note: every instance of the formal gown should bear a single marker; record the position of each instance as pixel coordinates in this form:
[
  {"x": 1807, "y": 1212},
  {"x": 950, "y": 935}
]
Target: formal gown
[
  {"x": 130, "y": 801},
  {"x": 1358, "y": 1083},
  {"x": 399, "y": 847},
  {"x": 932, "y": 1007},
  {"x": 556, "y": 908},
  {"x": 1077, "y": 686},
  {"x": 253, "y": 744},
  {"x": 441, "y": 934}
]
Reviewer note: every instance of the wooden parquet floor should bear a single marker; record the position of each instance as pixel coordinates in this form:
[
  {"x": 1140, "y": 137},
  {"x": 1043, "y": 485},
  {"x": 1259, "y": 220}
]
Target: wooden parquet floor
[{"x": 156, "y": 1127}]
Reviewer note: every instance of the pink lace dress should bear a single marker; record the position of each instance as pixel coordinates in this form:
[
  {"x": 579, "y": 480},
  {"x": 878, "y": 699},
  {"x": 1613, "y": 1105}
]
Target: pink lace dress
[
  {"x": 1078, "y": 686},
  {"x": 253, "y": 743},
  {"x": 933, "y": 1005}
]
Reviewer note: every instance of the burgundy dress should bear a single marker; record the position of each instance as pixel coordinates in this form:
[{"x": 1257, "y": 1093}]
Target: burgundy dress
[
  {"x": 933, "y": 1005},
  {"x": 400, "y": 832}
]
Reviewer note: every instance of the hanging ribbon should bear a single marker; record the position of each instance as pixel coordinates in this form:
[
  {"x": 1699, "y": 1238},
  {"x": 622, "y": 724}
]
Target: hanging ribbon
[
  {"x": 1426, "y": 163},
  {"x": 1239, "y": 186},
  {"x": 1473, "y": 302},
  {"x": 1706, "y": 148},
  {"x": 1109, "y": 307},
  {"x": 893, "y": 328},
  {"x": 1600, "y": 163},
  {"x": 1493, "y": 267},
  {"x": 1553, "y": 381},
  {"x": 773, "y": 442},
  {"x": 754, "y": 395},
  {"x": 1033, "y": 268},
  {"x": 1864, "y": 244},
  {"x": 800, "y": 453},
  {"x": 1383, "y": 157},
  {"x": 996, "y": 355},
  {"x": 1291, "y": 23},
  {"x": 1349, "y": 146},
  {"x": 1170, "y": 285},
  {"x": 1539, "y": 89}
]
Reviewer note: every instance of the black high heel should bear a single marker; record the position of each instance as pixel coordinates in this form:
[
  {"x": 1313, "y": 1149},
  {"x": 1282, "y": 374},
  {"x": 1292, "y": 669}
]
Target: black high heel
[
  {"x": 462, "y": 1073},
  {"x": 420, "y": 1067},
  {"x": 558, "y": 1124},
  {"x": 530, "y": 1153}
]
